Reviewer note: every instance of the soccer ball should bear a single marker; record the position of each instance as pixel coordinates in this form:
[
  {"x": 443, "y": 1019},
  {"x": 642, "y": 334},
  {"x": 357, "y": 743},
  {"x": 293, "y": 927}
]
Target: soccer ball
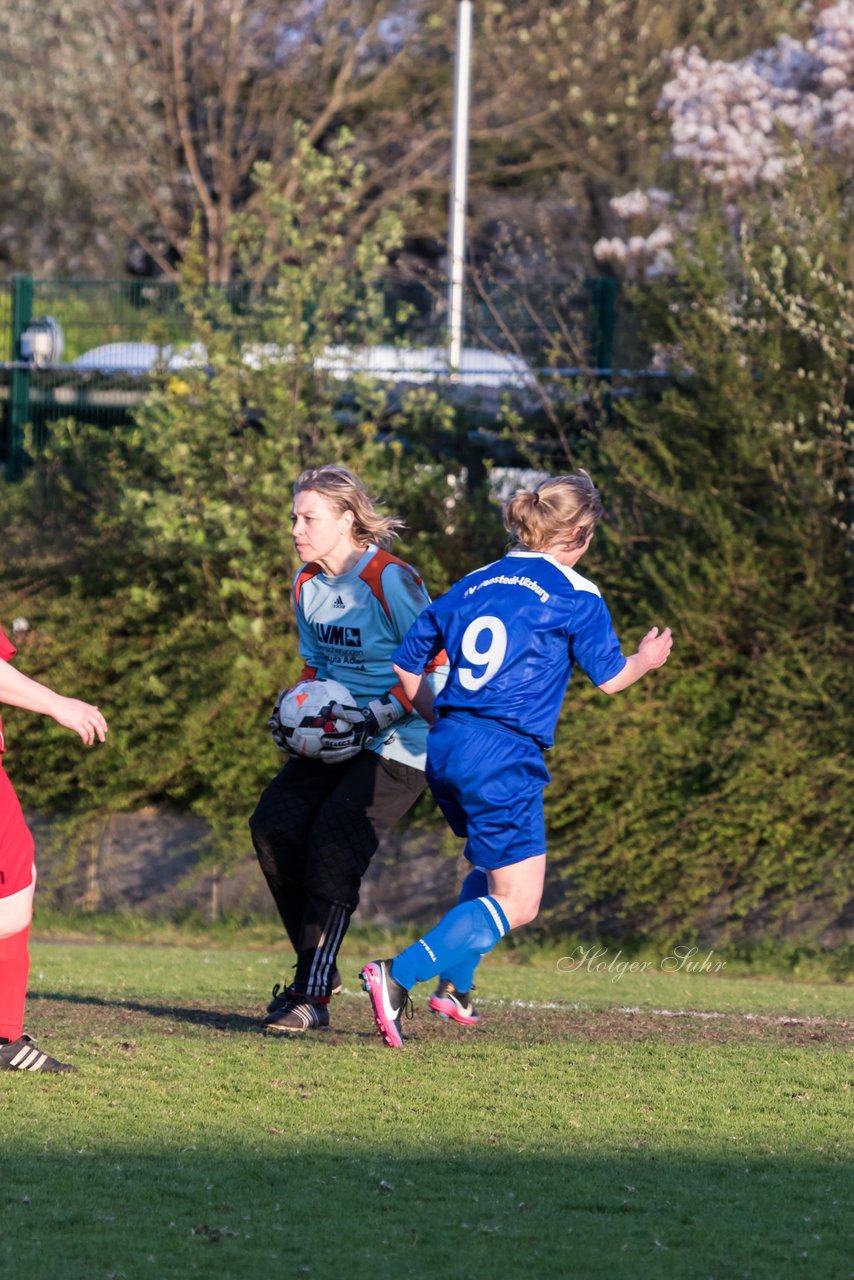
[{"x": 303, "y": 717}]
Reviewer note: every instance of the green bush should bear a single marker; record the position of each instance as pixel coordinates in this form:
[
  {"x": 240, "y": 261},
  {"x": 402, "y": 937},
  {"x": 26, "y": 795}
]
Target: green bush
[
  {"x": 156, "y": 562},
  {"x": 718, "y": 792}
]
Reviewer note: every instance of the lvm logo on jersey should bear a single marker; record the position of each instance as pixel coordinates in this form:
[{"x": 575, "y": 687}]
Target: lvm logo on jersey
[{"x": 333, "y": 633}]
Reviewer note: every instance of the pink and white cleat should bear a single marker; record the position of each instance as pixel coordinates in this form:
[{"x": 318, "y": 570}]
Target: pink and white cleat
[
  {"x": 448, "y": 1002},
  {"x": 389, "y": 1000}
]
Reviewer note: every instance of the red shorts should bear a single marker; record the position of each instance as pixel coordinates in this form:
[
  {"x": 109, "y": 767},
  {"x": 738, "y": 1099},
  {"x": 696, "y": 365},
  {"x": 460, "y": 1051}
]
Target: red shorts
[{"x": 16, "y": 843}]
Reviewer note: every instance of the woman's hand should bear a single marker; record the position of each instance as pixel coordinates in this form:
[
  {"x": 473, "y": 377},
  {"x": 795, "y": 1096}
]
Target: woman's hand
[
  {"x": 655, "y": 648},
  {"x": 82, "y": 718},
  {"x": 653, "y": 651}
]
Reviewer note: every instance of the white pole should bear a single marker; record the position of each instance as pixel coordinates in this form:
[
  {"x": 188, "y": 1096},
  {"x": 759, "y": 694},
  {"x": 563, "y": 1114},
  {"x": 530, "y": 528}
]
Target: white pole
[{"x": 459, "y": 184}]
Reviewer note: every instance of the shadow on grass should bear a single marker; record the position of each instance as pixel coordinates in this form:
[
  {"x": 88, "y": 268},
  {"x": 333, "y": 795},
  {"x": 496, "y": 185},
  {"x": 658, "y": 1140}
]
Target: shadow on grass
[
  {"x": 281, "y": 1205},
  {"x": 212, "y": 1018},
  {"x": 209, "y": 1019}
]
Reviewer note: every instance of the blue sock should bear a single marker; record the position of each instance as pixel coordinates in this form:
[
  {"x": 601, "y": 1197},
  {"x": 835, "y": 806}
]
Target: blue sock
[
  {"x": 475, "y": 885},
  {"x": 466, "y": 933},
  {"x": 462, "y": 975}
]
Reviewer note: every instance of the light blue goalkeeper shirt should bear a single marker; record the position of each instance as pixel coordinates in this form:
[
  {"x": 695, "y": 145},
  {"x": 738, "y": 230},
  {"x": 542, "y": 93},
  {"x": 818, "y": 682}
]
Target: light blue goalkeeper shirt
[{"x": 349, "y": 627}]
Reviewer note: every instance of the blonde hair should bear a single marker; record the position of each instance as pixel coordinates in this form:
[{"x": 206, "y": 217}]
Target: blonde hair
[
  {"x": 565, "y": 506},
  {"x": 345, "y": 491}
]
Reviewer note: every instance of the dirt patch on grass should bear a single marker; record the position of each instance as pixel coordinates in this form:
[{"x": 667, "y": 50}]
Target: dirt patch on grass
[{"x": 507, "y": 1024}]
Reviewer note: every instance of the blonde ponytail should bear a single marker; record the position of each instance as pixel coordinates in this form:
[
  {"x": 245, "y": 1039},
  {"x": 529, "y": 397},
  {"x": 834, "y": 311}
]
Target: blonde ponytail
[{"x": 563, "y": 508}]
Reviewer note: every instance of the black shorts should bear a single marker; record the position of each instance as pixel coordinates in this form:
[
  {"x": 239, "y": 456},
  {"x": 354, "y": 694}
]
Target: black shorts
[{"x": 319, "y": 825}]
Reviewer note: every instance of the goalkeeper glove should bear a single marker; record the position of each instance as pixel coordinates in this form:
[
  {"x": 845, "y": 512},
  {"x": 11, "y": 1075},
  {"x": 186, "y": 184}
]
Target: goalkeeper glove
[
  {"x": 274, "y": 724},
  {"x": 379, "y": 715}
]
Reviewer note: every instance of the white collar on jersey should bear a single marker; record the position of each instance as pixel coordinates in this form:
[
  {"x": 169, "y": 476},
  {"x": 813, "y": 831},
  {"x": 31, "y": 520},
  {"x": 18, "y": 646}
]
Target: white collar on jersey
[{"x": 580, "y": 583}]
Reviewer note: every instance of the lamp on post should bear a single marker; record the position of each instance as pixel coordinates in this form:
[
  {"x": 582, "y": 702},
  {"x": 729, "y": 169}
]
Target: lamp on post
[{"x": 459, "y": 184}]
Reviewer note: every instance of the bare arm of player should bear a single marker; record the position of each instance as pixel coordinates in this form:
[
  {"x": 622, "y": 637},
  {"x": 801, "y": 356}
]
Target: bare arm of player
[
  {"x": 653, "y": 651},
  {"x": 18, "y": 690},
  {"x": 416, "y": 686}
]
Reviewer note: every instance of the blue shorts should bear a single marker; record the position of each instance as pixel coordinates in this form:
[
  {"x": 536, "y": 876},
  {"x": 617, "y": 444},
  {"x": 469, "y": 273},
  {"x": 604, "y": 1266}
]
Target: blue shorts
[{"x": 488, "y": 781}]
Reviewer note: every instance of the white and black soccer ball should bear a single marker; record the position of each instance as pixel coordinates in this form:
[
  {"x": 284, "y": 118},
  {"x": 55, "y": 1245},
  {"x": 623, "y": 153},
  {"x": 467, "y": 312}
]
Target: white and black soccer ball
[{"x": 303, "y": 717}]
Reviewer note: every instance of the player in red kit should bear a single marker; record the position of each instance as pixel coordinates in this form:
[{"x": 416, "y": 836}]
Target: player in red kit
[{"x": 17, "y": 864}]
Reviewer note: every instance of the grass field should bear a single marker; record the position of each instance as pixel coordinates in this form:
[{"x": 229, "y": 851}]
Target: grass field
[{"x": 653, "y": 1124}]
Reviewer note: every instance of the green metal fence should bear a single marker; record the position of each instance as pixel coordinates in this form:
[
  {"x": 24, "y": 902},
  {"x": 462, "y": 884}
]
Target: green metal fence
[
  {"x": 89, "y": 315},
  {"x": 102, "y": 337}
]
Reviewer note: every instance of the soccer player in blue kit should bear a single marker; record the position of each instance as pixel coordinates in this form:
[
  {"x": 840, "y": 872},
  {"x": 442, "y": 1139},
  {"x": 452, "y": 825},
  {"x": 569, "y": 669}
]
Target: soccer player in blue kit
[{"x": 512, "y": 630}]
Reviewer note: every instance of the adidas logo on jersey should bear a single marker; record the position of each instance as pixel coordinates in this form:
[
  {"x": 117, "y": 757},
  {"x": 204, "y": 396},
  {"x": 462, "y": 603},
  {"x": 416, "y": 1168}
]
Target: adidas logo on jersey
[{"x": 338, "y": 603}]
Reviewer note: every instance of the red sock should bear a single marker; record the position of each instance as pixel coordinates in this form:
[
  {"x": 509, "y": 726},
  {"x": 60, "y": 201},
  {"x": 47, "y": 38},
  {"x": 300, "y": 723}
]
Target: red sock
[{"x": 14, "y": 971}]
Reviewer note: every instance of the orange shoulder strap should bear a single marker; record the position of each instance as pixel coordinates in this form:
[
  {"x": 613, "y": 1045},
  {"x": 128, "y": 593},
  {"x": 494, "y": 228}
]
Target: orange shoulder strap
[
  {"x": 372, "y": 575},
  {"x": 305, "y": 574}
]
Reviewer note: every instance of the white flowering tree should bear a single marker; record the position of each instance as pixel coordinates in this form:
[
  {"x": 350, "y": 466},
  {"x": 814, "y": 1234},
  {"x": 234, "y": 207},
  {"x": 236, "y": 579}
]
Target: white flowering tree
[
  {"x": 733, "y": 120},
  {"x": 741, "y": 126}
]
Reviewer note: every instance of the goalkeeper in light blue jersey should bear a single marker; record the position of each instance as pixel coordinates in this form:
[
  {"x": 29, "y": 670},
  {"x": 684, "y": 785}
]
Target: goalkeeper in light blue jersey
[
  {"x": 513, "y": 631},
  {"x": 319, "y": 821}
]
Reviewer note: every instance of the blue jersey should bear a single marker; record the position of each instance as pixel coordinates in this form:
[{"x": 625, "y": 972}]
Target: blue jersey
[
  {"x": 513, "y": 631},
  {"x": 350, "y": 625}
]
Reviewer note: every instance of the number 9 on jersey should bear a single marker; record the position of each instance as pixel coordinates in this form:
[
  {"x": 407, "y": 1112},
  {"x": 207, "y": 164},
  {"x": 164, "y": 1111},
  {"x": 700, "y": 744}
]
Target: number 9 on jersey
[{"x": 484, "y": 645}]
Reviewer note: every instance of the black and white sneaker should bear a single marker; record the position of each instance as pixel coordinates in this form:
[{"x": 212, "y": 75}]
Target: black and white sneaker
[
  {"x": 297, "y": 1014},
  {"x": 24, "y": 1055},
  {"x": 448, "y": 1002},
  {"x": 389, "y": 999},
  {"x": 282, "y": 995}
]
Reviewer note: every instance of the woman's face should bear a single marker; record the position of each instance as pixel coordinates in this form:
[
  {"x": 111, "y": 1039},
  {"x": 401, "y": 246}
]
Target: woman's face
[{"x": 319, "y": 531}]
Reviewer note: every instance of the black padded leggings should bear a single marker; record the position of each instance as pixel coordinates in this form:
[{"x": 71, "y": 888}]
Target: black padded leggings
[{"x": 315, "y": 829}]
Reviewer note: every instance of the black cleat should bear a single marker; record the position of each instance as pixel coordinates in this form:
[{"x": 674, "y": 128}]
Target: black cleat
[
  {"x": 24, "y": 1055},
  {"x": 284, "y": 995},
  {"x": 296, "y": 1014}
]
